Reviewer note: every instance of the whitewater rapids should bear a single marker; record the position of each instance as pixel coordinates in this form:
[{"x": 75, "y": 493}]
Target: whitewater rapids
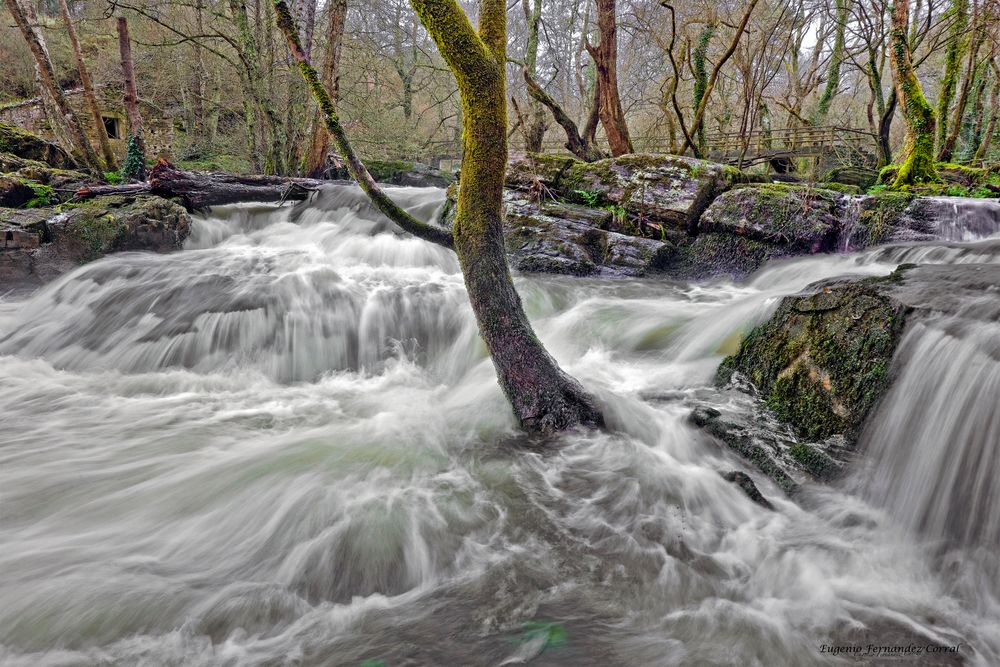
[{"x": 285, "y": 445}]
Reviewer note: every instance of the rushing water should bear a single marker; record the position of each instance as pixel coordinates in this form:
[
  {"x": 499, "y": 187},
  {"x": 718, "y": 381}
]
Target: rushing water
[{"x": 285, "y": 445}]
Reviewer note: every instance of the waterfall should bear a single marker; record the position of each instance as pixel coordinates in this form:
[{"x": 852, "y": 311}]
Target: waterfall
[{"x": 286, "y": 444}]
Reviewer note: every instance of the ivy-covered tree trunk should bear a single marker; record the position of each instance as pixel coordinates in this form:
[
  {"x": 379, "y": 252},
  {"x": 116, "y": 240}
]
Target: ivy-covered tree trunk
[
  {"x": 955, "y": 127},
  {"x": 134, "y": 166},
  {"x": 50, "y": 86},
  {"x": 836, "y": 60},
  {"x": 543, "y": 397},
  {"x": 698, "y": 56},
  {"x": 605, "y": 57},
  {"x": 916, "y": 163},
  {"x": 991, "y": 124},
  {"x": 959, "y": 14}
]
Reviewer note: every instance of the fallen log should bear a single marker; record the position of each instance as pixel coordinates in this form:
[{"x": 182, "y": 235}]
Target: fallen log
[{"x": 201, "y": 190}]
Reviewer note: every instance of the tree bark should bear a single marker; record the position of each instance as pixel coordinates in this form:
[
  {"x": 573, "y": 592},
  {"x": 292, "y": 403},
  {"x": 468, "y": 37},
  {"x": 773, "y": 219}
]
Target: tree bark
[
  {"x": 535, "y": 130},
  {"x": 320, "y": 145},
  {"x": 952, "y": 62},
  {"x": 836, "y": 60},
  {"x": 948, "y": 147},
  {"x": 131, "y": 96},
  {"x": 991, "y": 125},
  {"x": 917, "y": 163},
  {"x": 543, "y": 397},
  {"x": 50, "y": 85},
  {"x": 88, "y": 89},
  {"x": 605, "y": 56}
]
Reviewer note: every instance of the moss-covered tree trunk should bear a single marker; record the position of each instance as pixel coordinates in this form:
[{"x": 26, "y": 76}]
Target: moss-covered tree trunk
[
  {"x": 991, "y": 124},
  {"x": 50, "y": 84},
  {"x": 955, "y": 127},
  {"x": 88, "y": 89},
  {"x": 698, "y": 56},
  {"x": 605, "y": 57},
  {"x": 916, "y": 163},
  {"x": 836, "y": 60},
  {"x": 543, "y": 397}
]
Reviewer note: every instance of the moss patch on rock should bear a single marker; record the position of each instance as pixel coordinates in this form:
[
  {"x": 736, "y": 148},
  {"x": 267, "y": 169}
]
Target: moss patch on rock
[
  {"x": 821, "y": 362},
  {"x": 26, "y": 145}
]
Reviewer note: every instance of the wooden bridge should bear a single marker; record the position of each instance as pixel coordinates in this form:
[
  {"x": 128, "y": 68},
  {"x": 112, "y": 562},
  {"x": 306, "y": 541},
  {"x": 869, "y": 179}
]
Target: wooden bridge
[{"x": 830, "y": 145}]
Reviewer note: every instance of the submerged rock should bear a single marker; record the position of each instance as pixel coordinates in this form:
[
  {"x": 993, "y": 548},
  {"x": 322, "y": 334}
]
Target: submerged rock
[{"x": 41, "y": 244}]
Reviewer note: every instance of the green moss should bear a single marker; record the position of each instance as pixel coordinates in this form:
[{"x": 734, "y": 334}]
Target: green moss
[
  {"x": 388, "y": 171},
  {"x": 841, "y": 188},
  {"x": 44, "y": 195},
  {"x": 821, "y": 362}
]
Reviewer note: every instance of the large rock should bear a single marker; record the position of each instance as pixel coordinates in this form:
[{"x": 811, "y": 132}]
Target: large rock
[
  {"x": 824, "y": 359},
  {"x": 554, "y": 237},
  {"x": 41, "y": 244},
  {"x": 28, "y": 146},
  {"x": 14, "y": 193},
  {"x": 665, "y": 189}
]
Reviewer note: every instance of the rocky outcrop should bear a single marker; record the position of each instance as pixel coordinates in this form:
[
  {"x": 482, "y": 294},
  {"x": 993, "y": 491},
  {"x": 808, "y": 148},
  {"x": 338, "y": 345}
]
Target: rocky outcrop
[
  {"x": 25, "y": 145},
  {"x": 554, "y": 237},
  {"x": 824, "y": 359},
  {"x": 42, "y": 243},
  {"x": 668, "y": 190}
]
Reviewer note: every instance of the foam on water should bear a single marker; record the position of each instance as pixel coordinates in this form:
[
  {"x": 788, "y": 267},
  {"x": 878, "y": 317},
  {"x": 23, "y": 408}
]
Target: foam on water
[{"x": 285, "y": 445}]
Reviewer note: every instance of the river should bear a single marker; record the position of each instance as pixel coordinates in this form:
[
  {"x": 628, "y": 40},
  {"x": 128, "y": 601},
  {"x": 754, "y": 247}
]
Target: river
[{"x": 285, "y": 445}]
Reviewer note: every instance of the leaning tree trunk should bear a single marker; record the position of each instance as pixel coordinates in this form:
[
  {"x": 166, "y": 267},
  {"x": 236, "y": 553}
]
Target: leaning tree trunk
[
  {"x": 543, "y": 397},
  {"x": 576, "y": 143},
  {"x": 320, "y": 145},
  {"x": 50, "y": 85},
  {"x": 605, "y": 57},
  {"x": 991, "y": 125},
  {"x": 88, "y": 89},
  {"x": 917, "y": 158}
]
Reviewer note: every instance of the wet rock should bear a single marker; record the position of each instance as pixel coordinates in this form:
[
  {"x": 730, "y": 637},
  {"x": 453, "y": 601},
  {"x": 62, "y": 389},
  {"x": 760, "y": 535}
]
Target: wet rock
[
  {"x": 743, "y": 480},
  {"x": 665, "y": 189},
  {"x": 28, "y": 146},
  {"x": 14, "y": 193},
  {"x": 747, "y": 426},
  {"x": 554, "y": 237},
  {"x": 41, "y": 244},
  {"x": 823, "y": 360}
]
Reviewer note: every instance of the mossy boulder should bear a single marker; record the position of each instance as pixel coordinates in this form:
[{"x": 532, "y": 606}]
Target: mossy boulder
[
  {"x": 23, "y": 144},
  {"x": 821, "y": 362},
  {"x": 43, "y": 243},
  {"x": 665, "y": 189},
  {"x": 860, "y": 177},
  {"x": 555, "y": 237},
  {"x": 750, "y": 224}
]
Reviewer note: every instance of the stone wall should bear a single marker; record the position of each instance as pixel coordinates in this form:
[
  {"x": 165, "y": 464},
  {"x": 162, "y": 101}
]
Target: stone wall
[{"x": 159, "y": 130}]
